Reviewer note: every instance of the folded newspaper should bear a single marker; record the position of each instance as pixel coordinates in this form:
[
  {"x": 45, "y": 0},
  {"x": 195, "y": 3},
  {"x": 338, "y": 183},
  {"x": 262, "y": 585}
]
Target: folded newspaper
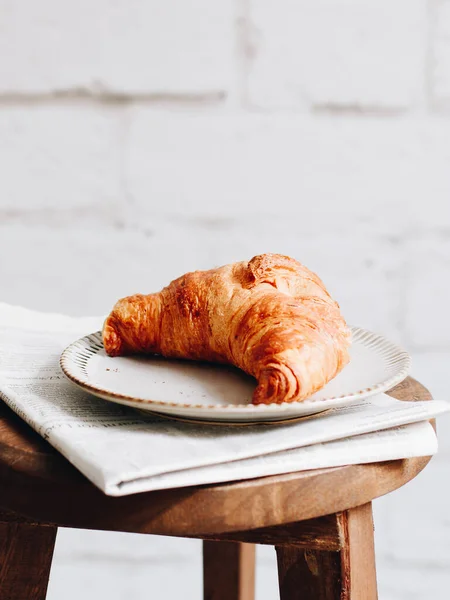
[{"x": 123, "y": 451}]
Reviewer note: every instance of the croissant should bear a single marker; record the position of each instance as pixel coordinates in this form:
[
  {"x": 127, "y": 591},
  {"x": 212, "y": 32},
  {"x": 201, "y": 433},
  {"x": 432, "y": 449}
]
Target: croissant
[{"x": 271, "y": 317}]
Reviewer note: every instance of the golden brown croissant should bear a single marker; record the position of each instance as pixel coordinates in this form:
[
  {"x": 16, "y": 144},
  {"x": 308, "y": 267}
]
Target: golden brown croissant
[{"x": 271, "y": 317}]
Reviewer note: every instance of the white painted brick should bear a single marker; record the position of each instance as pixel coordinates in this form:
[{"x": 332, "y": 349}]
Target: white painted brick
[
  {"x": 338, "y": 54},
  {"x": 103, "y": 577},
  {"x": 428, "y": 292},
  {"x": 120, "y": 581},
  {"x": 431, "y": 369},
  {"x": 83, "y": 560},
  {"x": 124, "y": 46},
  {"x": 266, "y": 573},
  {"x": 417, "y": 528},
  {"x": 329, "y": 173},
  {"x": 58, "y": 158},
  {"x": 81, "y": 546},
  {"x": 91, "y": 268},
  {"x": 411, "y": 581},
  {"x": 98, "y": 564},
  {"x": 440, "y": 66}
]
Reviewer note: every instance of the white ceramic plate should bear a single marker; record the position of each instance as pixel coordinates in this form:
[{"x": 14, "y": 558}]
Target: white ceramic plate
[{"x": 207, "y": 392}]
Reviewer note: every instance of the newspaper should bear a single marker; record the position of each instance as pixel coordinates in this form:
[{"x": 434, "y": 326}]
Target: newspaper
[{"x": 123, "y": 451}]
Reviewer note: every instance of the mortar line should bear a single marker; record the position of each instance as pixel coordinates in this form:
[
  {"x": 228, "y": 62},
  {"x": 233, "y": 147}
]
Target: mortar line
[
  {"x": 243, "y": 51},
  {"x": 86, "y": 97}
]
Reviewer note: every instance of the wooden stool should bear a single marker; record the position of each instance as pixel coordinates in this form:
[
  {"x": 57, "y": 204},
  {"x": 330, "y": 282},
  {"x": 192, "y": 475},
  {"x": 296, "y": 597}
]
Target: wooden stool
[{"x": 320, "y": 522}]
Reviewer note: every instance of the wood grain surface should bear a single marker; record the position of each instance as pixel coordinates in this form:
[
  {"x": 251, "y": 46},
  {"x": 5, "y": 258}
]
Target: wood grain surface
[
  {"x": 38, "y": 482},
  {"x": 344, "y": 574},
  {"x": 323, "y": 533},
  {"x": 26, "y": 552},
  {"x": 228, "y": 571},
  {"x": 308, "y": 575},
  {"x": 358, "y": 562}
]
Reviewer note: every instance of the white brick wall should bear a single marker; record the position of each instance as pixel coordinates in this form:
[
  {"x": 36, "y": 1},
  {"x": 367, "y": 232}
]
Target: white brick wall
[
  {"x": 428, "y": 291},
  {"x": 440, "y": 56},
  {"x": 141, "y": 139},
  {"x": 59, "y": 158},
  {"x": 326, "y": 171},
  {"x": 121, "y": 47},
  {"x": 337, "y": 54}
]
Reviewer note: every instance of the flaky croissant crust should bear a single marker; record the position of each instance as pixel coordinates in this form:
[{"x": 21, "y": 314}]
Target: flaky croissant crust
[{"x": 271, "y": 317}]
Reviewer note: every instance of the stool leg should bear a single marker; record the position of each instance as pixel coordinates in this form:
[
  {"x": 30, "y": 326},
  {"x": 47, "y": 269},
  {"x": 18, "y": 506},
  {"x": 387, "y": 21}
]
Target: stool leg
[
  {"x": 228, "y": 571},
  {"x": 26, "y": 552},
  {"x": 347, "y": 574}
]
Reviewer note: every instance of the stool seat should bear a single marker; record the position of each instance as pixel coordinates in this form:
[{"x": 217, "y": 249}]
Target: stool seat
[
  {"x": 288, "y": 510},
  {"x": 39, "y": 482}
]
